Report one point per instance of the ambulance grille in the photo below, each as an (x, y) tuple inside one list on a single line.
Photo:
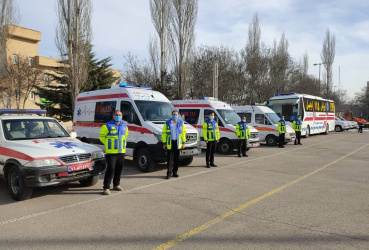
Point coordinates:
[(254, 135), (75, 158), (191, 138)]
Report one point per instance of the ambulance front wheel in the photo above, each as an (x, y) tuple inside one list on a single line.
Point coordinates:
[(186, 161), (89, 181), (16, 186), (271, 140), (144, 160), (225, 146)]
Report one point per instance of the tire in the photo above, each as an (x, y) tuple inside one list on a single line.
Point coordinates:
[(307, 132), (326, 129), (89, 181), (16, 186), (225, 147), (144, 160), (84, 139), (186, 161), (271, 140), (338, 128)]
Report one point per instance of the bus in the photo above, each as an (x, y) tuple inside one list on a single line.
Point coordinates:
[(317, 114)]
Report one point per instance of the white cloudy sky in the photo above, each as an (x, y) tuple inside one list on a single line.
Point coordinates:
[(122, 26)]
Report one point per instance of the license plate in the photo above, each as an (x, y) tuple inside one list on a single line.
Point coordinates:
[(292, 139), (79, 167), (255, 145)]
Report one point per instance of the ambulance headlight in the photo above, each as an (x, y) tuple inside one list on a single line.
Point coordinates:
[(43, 163), (97, 155), (158, 136)]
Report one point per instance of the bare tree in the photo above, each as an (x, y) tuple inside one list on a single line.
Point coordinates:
[(73, 39), (137, 71), (160, 18), (20, 81), (305, 63), (183, 16), (327, 56)]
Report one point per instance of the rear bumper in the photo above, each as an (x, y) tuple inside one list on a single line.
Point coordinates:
[(48, 176)]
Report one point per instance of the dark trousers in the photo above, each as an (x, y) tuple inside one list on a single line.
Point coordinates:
[(210, 149), (242, 146), (298, 137), (360, 129), (281, 139), (113, 170), (173, 159)]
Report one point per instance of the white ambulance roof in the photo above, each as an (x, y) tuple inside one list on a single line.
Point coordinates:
[(251, 108), (201, 104), (134, 93), (296, 95)]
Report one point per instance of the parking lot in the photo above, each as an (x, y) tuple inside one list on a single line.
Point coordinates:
[(310, 196)]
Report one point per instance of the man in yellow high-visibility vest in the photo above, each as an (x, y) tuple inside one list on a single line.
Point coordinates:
[(243, 133), (210, 132), (114, 136), (281, 131), (297, 126)]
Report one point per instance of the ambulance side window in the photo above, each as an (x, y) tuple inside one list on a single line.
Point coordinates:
[(247, 115), (260, 119), (104, 111), (207, 114), (129, 113), (190, 115)]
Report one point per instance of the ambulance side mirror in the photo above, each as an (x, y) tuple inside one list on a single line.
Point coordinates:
[(73, 134)]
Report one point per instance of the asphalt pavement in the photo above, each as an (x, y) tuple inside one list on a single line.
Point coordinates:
[(310, 196)]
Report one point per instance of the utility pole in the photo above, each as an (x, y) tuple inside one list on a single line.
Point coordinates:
[(215, 80)]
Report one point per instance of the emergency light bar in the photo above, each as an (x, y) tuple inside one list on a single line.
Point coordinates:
[(126, 85), (145, 87), (208, 98), (23, 111)]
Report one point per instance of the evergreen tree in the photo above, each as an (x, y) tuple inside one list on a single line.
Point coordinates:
[(56, 98)]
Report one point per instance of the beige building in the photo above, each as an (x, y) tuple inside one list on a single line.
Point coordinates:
[(22, 45)]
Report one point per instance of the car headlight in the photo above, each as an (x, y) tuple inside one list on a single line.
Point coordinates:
[(97, 155), (158, 136), (43, 163)]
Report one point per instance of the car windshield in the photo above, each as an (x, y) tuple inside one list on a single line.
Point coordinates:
[(273, 117), (28, 129), (155, 111), (229, 116)]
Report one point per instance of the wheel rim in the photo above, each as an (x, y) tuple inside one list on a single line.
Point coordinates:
[(143, 161), (224, 147), (14, 183), (270, 141)]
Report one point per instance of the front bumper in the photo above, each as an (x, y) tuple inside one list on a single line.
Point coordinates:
[(48, 176), (159, 154)]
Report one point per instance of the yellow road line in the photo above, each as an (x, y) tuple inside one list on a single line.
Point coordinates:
[(249, 203)]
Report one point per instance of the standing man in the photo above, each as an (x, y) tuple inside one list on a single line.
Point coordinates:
[(243, 133), (174, 136), (296, 125), (361, 125), (210, 132), (281, 131), (114, 136)]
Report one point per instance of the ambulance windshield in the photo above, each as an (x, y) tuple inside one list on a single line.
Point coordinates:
[(155, 111), (229, 116), (273, 117)]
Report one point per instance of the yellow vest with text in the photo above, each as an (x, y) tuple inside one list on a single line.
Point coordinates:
[(242, 130), (210, 130), (167, 134), (296, 125), (281, 127), (114, 137)]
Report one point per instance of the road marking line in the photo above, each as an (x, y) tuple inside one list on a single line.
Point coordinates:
[(2, 223), (249, 203)]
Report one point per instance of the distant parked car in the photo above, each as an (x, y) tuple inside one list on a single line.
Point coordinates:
[(340, 125), (352, 124)]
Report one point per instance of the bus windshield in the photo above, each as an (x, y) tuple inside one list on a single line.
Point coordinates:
[(273, 117), (155, 111), (229, 116)]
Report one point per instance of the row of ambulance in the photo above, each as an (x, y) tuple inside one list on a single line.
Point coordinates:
[(145, 111)]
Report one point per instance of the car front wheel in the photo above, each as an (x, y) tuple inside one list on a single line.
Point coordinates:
[(16, 186)]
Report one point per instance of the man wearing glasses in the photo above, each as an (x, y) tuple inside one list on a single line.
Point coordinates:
[(114, 136)]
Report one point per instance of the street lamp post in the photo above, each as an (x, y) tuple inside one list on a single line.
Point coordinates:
[(315, 64)]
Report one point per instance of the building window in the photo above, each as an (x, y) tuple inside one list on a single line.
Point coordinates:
[(46, 79), (15, 59), (32, 96), (31, 61)]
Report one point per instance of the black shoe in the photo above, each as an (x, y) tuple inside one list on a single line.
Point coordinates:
[(300, 143), (207, 165), (239, 155), (175, 175), (281, 146), (245, 155), (168, 176), (213, 165)]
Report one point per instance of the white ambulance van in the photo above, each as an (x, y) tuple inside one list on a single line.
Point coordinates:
[(144, 112), (196, 112), (37, 151), (265, 121)]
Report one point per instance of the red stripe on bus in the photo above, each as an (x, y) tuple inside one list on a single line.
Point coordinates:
[(192, 105), (318, 118), (15, 154), (100, 97), (98, 125)]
